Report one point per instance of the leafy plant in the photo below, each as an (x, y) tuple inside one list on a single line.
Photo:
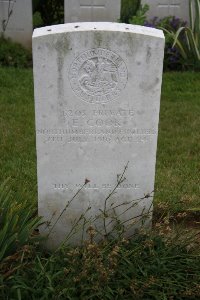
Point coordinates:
[(172, 59), (170, 23), (51, 11), (140, 17), (129, 8), (158, 266), (17, 222), (187, 38), (13, 54)]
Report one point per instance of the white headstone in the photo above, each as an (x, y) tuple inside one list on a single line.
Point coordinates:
[(20, 26), (97, 98), (164, 8), (92, 10)]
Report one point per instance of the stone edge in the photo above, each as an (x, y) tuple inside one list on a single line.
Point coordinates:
[(97, 26)]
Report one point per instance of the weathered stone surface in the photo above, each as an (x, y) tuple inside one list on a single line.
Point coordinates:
[(19, 27), (92, 10), (164, 8), (97, 98)]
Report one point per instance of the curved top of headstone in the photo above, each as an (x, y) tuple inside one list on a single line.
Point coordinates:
[(97, 26)]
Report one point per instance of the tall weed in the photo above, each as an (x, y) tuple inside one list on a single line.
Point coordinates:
[(17, 222)]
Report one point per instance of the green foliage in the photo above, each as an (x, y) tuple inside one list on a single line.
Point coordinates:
[(172, 58), (51, 11), (17, 150), (16, 222), (128, 9), (37, 20), (155, 266), (187, 39), (140, 17), (177, 172), (13, 54)]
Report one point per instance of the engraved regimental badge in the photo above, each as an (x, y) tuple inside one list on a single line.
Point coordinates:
[(98, 75)]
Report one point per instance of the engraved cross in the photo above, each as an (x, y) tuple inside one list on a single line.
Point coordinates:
[(170, 7)]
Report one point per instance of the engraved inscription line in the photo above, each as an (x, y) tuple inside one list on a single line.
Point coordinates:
[(94, 186), (97, 135)]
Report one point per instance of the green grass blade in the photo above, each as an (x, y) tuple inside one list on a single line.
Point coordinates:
[(197, 17)]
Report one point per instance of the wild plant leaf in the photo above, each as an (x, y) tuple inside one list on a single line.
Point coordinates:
[(3, 233), (194, 209), (16, 222), (10, 244), (192, 43), (2, 251), (197, 17), (187, 39)]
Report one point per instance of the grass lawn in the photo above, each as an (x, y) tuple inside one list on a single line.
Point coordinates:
[(178, 158), (17, 151), (161, 265)]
